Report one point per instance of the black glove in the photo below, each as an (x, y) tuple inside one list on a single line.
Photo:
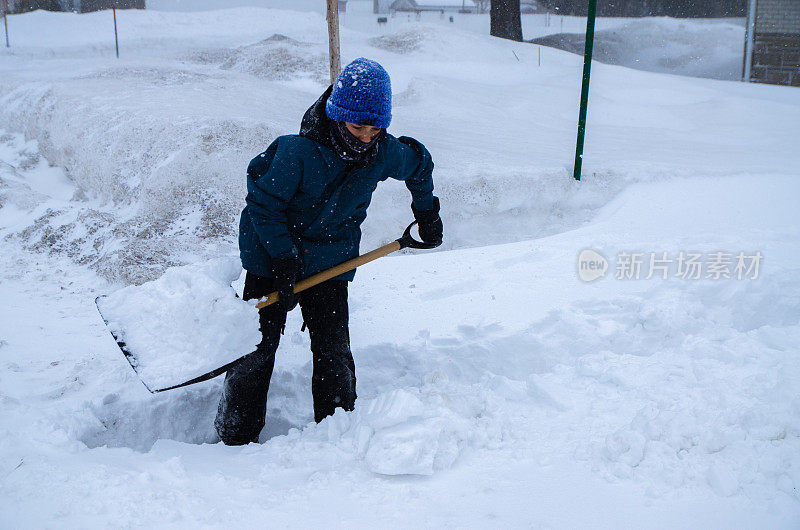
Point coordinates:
[(430, 224), (286, 271)]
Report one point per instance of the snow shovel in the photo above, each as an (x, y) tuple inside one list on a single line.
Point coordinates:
[(151, 363)]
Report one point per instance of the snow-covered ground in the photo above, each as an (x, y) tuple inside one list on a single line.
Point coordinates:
[(495, 387)]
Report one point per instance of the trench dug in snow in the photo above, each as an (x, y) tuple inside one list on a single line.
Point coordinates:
[(185, 416), (417, 408), (588, 377)]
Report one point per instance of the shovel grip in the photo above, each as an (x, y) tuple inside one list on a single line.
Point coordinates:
[(333, 272)]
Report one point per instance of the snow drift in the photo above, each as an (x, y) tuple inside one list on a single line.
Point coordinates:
[(711, 49)]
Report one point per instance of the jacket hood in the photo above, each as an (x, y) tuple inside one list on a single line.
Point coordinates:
[(316, 125)]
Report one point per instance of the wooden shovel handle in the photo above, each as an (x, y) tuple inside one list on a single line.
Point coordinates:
[(333, 272)]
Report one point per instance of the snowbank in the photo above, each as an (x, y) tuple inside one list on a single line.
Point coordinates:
[(671, 46), (157, 142)]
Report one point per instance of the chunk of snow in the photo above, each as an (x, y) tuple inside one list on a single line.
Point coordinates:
[(186, 323)]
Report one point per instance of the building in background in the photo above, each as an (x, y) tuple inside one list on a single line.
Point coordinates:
[(531, 6), (772, 42), (381, 6), (464, 6), (442, 6), (77, 6), (651, 8)]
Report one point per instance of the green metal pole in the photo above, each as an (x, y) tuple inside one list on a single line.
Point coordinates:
[(116, 39), (587, 67)]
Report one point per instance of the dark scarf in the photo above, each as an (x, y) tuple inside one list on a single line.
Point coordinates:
[(350, 148), (332, 134)]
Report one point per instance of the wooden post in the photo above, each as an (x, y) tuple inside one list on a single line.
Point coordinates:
[(333, 38), (5, 20)]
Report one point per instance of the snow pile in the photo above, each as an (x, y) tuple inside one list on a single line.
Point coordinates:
[(399, 434), (150, 201), (184, 324), (406, 42), (281, 58), (674, 46)]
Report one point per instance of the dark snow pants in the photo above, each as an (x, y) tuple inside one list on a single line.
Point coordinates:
[(243, 405)]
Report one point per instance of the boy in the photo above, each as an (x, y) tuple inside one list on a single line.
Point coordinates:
[(307, 196)]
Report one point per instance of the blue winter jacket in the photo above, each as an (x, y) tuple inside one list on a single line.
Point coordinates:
[(302, 198)]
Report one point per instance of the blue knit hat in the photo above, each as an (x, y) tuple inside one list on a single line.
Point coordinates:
[(361, 94)]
